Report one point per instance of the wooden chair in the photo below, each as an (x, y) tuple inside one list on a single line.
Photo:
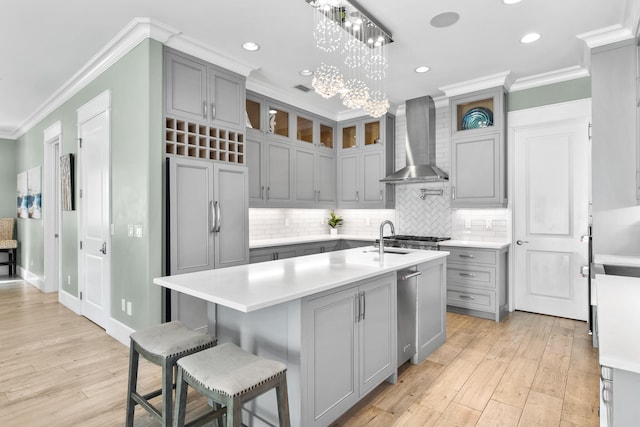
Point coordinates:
[(8, 243), (229, 376)]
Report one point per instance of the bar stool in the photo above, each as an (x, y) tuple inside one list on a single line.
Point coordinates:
[(162, 345), (229, 376)]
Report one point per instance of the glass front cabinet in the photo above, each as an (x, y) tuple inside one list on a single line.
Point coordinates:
[(478, 164)]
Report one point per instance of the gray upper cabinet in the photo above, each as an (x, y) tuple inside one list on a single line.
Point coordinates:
[(226, 98), (185, 87), (196, 90), (290, 154), (615, 169), (365, 156), (478, 164)]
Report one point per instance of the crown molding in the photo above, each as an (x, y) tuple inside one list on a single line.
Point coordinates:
[(605, 36), (128, 38), (501, 79), (550, 77)]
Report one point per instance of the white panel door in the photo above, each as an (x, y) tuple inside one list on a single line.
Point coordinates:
[(95, 253), (551, 214)]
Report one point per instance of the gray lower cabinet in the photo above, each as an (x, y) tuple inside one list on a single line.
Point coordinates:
[(208, 225), (350, 340), (619, 391), (477, 282), (289, 251)]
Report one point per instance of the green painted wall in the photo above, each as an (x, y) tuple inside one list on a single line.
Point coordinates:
[(550, 94), (8, 178), (135, 82)]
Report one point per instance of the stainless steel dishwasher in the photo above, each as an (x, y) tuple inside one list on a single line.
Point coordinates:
[(407, 309)]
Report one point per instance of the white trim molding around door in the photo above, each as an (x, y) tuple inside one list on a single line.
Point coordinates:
[(52, 137)]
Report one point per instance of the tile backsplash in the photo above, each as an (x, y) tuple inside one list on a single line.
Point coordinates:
[(428, 216)]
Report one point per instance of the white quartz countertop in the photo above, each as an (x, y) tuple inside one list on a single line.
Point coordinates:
[(618, 320), (251, 287), (265, 243), (473, 244), (621, 260)]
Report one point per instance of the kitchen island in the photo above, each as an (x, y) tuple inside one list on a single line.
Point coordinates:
[(331, 317)]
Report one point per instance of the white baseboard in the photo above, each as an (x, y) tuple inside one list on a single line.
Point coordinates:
[(119, 331), (31, 278), (72, 302)]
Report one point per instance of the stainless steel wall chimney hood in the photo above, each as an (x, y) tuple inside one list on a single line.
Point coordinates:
[(421, 145)]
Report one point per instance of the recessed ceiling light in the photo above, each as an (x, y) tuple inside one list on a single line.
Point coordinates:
[(445, 19), (305, 72), (250, 46), (422, 69), (511, 1), (530, 38)]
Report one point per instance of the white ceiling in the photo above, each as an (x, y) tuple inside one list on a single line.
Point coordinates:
[(44, 43)]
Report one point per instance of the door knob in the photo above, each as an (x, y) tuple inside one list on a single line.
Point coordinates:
[(520, 242), (103, 249)]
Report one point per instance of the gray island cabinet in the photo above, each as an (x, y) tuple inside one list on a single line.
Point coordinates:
[(331, 317)]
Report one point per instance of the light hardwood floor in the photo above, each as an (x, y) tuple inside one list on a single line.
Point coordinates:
[(59, 369)]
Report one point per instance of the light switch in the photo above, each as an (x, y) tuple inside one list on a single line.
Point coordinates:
[(138, 230), (130, 230), (489, 224)]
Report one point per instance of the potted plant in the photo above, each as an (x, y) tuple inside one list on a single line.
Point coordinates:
[(334, 221)]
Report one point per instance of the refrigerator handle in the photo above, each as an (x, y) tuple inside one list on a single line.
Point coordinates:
[(218, 222)]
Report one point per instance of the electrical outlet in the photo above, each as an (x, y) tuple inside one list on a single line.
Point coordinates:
[(130, 230), (489, 224), (69, 280), (138, 230), (123, 304), (467, 223), (286, 221), (128, 308)]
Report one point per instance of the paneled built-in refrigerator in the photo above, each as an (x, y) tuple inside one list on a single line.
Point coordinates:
[(208, 227)]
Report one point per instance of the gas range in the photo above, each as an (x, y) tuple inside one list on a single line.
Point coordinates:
[(412, 242)]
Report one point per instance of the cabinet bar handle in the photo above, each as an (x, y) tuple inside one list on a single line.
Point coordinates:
[(466, 256), (453, 192), (357, 196), (364, 305), (380, 194), (467, 274), (219, 215), (356, 302), (213, 111), (262, 192), (205, 113), (467, 297), (410, 275), (268, 189), (211, 219)]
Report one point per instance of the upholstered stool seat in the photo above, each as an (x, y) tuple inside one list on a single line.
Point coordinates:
[(162, 345), (229, 376)]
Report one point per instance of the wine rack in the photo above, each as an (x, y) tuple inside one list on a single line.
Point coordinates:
[(196, 140)]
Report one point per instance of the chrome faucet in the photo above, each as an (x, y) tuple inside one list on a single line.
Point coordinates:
[(393, 233)]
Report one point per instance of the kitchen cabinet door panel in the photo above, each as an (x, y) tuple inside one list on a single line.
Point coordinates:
[(231, 201), (326, 178), (373, 170), (227, 99), (255, 170), (477, 171), (279, 177), (185, 87), (377, 336), (305, 173), (348, 178), (332, 352)]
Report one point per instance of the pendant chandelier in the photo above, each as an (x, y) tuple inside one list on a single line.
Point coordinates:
[(352, 49)]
